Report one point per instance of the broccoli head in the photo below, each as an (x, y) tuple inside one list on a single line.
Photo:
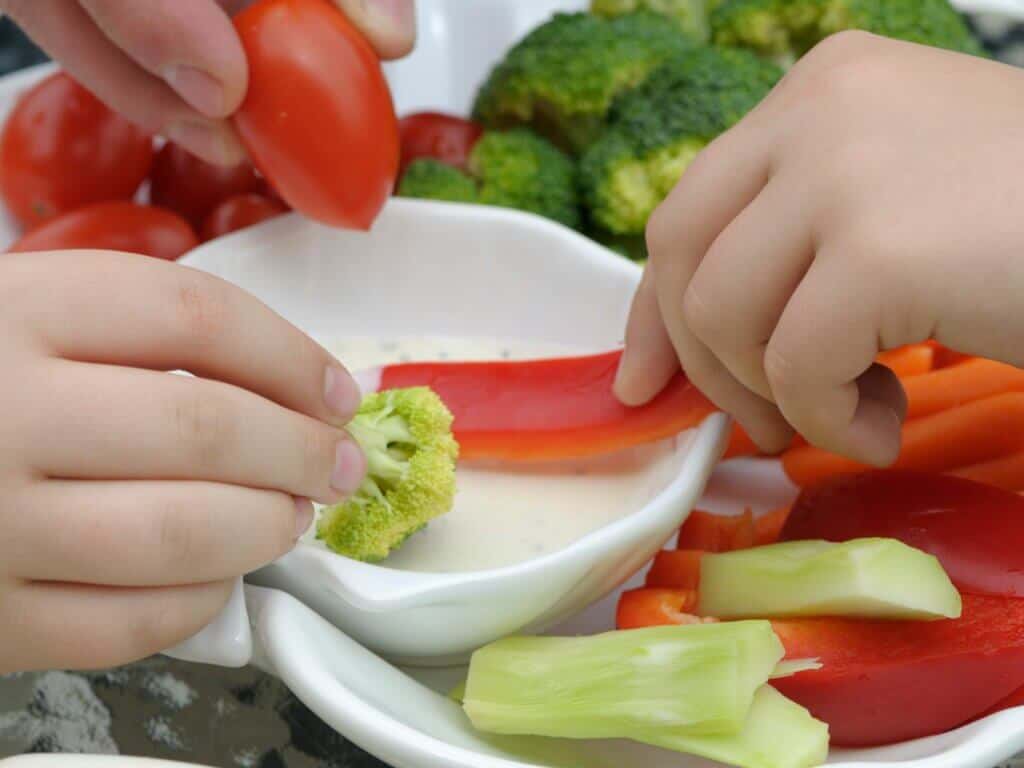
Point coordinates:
[(406, 436), (562, 77), (430, 178), (784, 30), (509, 169), (658, 128), (690, 15)]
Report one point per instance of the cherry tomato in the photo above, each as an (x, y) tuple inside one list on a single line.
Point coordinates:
[(61, 148), (192, 188), (317, 119), (443, 137), (240, 212), (115, 226)]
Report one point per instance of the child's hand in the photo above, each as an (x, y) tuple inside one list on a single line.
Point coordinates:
[(875, 198), (177, 67), (130, 498)]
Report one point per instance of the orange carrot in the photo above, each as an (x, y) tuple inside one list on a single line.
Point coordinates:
[(740, 444), (911, 360), (946, 357), (675, 569), (768, 527), (974, 433), (1006, 472), (966, 382)]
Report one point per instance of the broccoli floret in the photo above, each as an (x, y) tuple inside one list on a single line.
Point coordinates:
[(563, 76), (406, 436), (432, 179), (690, 15), (784, 30), (509, 169), (658, 128)]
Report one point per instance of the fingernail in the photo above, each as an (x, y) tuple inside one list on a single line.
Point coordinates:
[(349, 468), (211, 142), (341, 393), (303, 516), (199, 89)]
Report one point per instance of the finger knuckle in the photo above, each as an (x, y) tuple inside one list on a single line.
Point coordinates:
[(206, 427), (780, 369), (200, 310), (177, 542), (699, 316), (317, 448)]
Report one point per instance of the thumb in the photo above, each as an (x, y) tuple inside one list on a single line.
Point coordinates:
[(389, 25)]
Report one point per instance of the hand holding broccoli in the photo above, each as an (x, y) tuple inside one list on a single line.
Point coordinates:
[(132, 497), (871, 200)]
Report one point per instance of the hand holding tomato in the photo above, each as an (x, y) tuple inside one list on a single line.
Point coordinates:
[(177, 67)]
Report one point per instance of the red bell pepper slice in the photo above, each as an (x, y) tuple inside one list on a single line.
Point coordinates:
[(976, 531), (883, 681), (559, 408), (709, 532), (675, 569)]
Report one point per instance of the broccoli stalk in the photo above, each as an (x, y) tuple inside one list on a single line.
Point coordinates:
[(406, 436)]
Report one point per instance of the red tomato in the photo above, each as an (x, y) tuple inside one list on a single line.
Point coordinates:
[(192, 188), (976, 531), (240, 212), (318, 119), (443, 137), (116, 226), (61, 148)]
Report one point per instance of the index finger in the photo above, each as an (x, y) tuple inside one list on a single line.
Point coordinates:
[(134, 311)]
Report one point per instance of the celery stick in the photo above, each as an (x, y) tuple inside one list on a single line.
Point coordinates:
[(864, 578), (778, 734), (700, 677)]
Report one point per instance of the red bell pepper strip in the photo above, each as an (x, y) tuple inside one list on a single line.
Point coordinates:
[(908, 361), (883, 681), (639, 608), (768, 527), (976, 531), (717, 533), (1006, 472), (559, 408), (675, 569)]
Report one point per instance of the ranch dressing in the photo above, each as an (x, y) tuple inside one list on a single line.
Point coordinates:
[(508, 514)]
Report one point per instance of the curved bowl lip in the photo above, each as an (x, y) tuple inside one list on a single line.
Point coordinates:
[(377, 588), (980, 744), (403, 589)]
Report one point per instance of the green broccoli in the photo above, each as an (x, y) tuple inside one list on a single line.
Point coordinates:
[(690, 15), (406, 436), (508, 169), (658, 128), (784, 30), (430, 178), (563, 76)]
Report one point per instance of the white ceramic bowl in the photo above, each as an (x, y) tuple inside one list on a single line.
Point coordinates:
[(450, 270)]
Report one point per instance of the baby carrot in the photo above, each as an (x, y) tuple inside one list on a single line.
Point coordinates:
[(966, 382), (1006, 472), (974, 433), (911, 360)]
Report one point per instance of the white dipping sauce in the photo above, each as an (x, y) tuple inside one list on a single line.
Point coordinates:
[(505, 515)]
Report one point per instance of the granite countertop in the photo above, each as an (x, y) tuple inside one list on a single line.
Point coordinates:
[(188, 712)]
